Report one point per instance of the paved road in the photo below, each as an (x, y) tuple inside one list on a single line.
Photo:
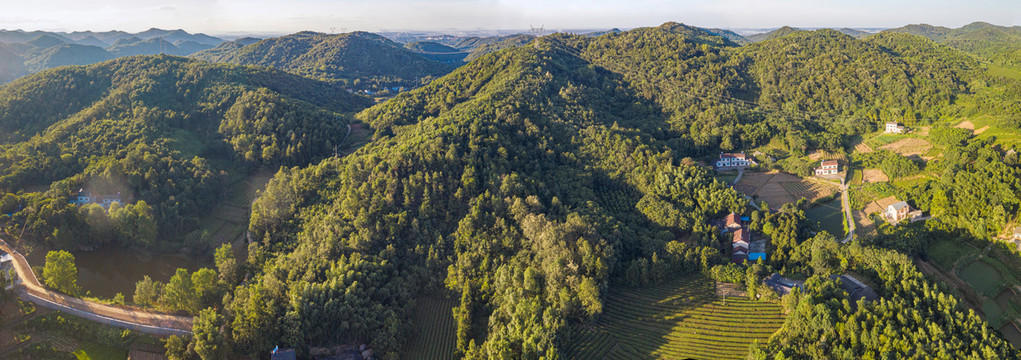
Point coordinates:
[(150, 322)]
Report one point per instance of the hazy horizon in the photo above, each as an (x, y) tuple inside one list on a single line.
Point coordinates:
[(233, 17)]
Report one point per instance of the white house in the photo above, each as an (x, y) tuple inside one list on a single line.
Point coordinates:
[(895, 128), (734, 160), (829, 167), (897, 211)]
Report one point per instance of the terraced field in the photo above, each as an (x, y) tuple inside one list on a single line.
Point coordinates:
[(679, 320), (435, 330)]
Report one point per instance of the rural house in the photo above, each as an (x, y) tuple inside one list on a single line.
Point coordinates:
[(741, 245), (901, 210), (83, 197), (731, 223), (828, 167), (895, 128), (734, 161), (782, 285), (7, 267)]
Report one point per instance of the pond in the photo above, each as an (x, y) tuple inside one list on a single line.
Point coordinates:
[(828, 216), (107, 271)]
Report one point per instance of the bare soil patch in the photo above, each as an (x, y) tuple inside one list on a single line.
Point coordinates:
[(922, 131), (982, 130), (909, 146), (874, 175), (965, 125), (863, 148), (880, 205)]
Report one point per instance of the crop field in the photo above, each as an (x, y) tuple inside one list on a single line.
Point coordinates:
[(909, 146), (874, 175), (435, 330), (982, 276), (679, 320), (779, 188)]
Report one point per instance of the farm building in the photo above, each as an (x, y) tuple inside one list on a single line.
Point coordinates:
[(782, 285), (1017, 233), (83, 197), (828, 167), (899, 211), (856, 290), (895, 128), (731, 223), (741, 245), (734, 161)]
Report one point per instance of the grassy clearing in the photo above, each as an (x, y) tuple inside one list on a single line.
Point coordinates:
[(436, 331), (96, 351), (828, 216), (726, 177), (945, 252), (682, 319), (229, 219)]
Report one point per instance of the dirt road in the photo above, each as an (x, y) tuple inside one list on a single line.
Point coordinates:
[(145, 321)]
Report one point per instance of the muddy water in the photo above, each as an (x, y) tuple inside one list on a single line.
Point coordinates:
[(107, 271)]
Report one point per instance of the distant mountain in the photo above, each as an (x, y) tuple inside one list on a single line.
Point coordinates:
[(91, 40), (994, 42), (146, 47), (19, 36), (179, 35), (784, 31), (108, 37), (429, 47), (126, 41), (45, 41), (854, 32), (359, 59), (12, 66), (601, 33), (66, 54), (483, 46), (730, 35), (188, 47)]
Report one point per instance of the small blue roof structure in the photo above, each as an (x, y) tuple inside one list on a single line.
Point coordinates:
[(756, 256), (282, 354), (746, 219)]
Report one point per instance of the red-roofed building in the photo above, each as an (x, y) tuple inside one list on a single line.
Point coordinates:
[(742, 237), (732, 222)]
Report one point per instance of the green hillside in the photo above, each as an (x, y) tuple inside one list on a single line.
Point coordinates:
[(65, 54), (361, 60), (12, 66), (992, 42), (162, 130), (537, 181)]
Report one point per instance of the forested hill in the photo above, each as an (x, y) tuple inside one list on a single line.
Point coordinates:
[(993, 42), (533, 179), (163, 131), (11, 65), (360, 60)]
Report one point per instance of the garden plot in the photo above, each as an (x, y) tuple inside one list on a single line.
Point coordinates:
[(874, 175), (778, 188), (909, 146)]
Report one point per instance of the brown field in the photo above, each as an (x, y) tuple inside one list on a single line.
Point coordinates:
[(864, 227), (982, 130), (874, 175), (909, 146), (863, 148), (922, 131), (965, 125), (880, 205), (778, 188)]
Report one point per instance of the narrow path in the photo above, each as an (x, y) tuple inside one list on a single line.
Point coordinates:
[(740, 173), (29, 288), (845, 202)]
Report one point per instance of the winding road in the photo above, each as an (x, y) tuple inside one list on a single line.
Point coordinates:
[(29, 289)]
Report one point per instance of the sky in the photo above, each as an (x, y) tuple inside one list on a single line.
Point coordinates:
[(281, 17)]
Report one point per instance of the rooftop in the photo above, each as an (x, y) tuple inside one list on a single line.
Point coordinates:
[(899, 205), (830, 163)]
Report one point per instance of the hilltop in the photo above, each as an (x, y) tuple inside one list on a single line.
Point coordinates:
[(993, 42), (361, 60)]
